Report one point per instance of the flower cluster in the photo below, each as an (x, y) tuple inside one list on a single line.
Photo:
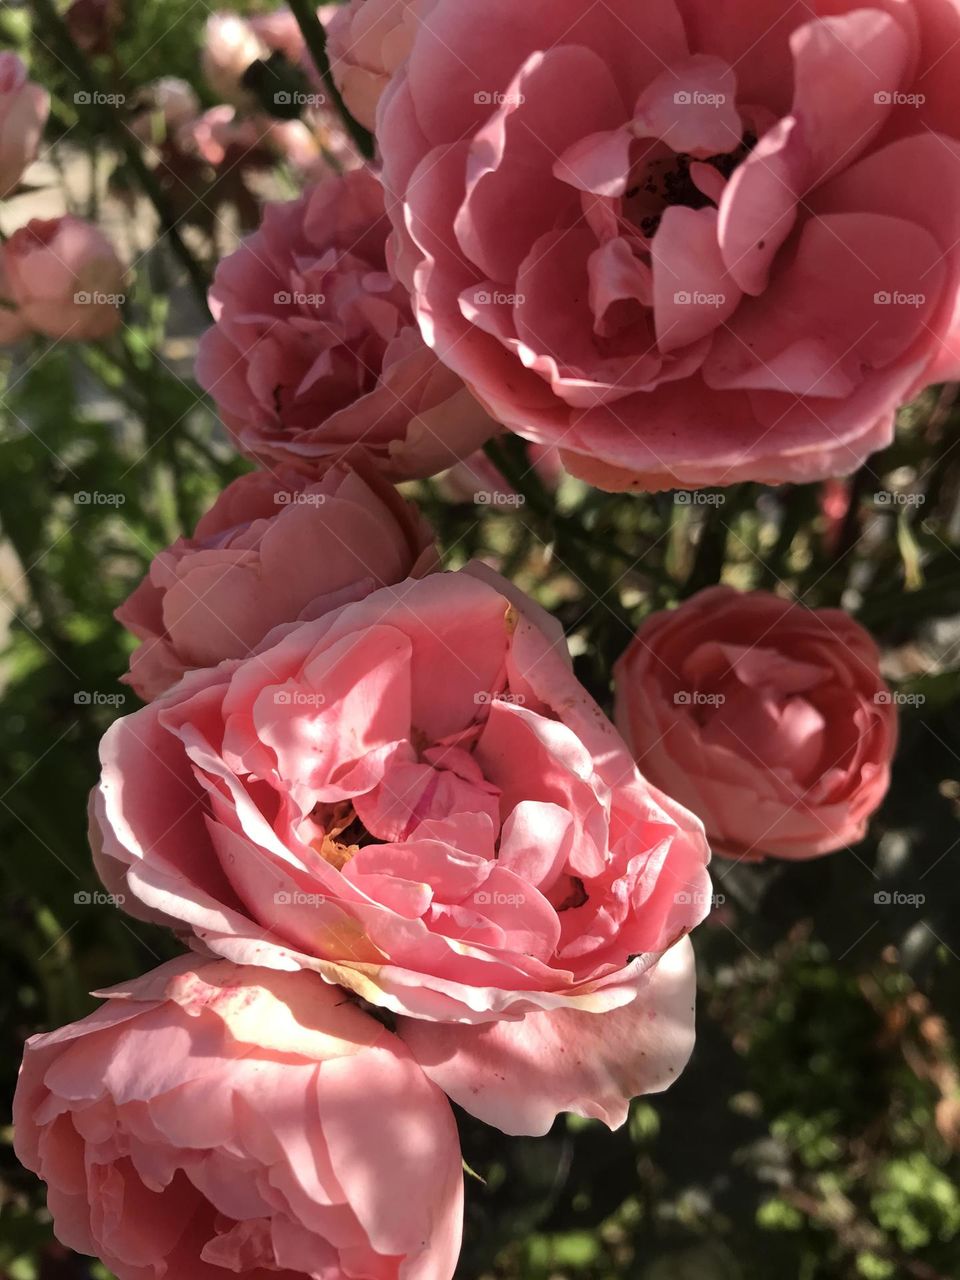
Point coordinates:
[(412, 857)]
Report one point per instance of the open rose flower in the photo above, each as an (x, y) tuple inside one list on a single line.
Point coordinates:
[(414, 797), (689, 242), (315, 349), (273, 548), (64, 277), (24, 107), (213, 1120), (368, 40), (770, 721)]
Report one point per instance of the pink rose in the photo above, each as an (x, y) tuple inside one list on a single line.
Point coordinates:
[(770, 721), (210, 1119), (414, 797), (65, 277), (315, 349), (24, 107), (367, 42), (689, 242), (274, 548)]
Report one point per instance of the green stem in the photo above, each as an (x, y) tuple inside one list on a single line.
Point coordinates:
[(316, 40), (53, 26)]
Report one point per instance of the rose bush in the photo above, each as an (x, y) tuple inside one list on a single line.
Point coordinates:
[(729, 255), (769, 721), (210, 1119), (414, 797), (274, 548), (315, 350)]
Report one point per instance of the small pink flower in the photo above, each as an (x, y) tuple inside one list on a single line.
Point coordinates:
[(24, 108), (65, 278), (315, 350), (687, 242), (769, 721), (212, 1119), (414, 797), (368, 40), (273, 549)]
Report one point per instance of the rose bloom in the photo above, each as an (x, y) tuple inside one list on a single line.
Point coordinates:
[(24, 107), (315, 350), (210, 1119), (64, 276), (414, 797), (367, 40), (274, 548), (770, 721), (689, 242)]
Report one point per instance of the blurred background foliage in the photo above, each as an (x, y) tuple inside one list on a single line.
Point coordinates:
[(816, 1132)]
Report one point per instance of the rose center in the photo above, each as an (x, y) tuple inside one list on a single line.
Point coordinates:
[(658, 182)]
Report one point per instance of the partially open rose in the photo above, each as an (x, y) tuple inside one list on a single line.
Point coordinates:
[(769, 720), (688, 242), (414, 797), (214, 1120), (274, 548), (315, 350)]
